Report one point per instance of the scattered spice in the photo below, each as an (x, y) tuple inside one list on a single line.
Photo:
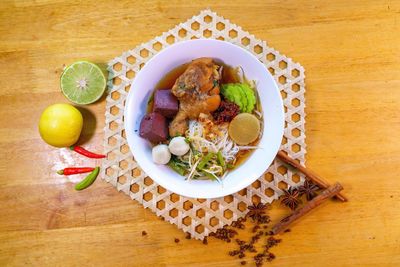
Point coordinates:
[(239, 223), (255, 238), (205, 241), (270, 256), (309, 189), (256, 210), (257, 213), (287, 231), (144, 233), (291, 198), (233, 252), (271, 242), (176, 240), (240, 242), (225, 234), (258, 259)]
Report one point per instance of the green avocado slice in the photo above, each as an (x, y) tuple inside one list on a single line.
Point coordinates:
[(240, 94), (243, 97), (250, 96), (233, 94)]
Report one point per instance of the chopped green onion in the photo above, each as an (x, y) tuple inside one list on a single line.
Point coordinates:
[(173, 165), (205, 160), (220, 159)]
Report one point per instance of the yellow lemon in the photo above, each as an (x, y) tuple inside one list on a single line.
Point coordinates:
[(60, 125)]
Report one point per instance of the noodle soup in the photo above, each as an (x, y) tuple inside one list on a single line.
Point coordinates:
[(203, 119)]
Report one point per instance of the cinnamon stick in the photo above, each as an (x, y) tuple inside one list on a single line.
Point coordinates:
[(308, 173), (315, 202)]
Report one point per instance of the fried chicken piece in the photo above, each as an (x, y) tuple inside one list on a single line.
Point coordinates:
[(197, 90)]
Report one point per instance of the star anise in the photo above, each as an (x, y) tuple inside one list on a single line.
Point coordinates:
[(309, 189), (291, 198), (256, 211)]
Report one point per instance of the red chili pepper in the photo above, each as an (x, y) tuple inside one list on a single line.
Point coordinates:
[(75, 170), (84, 152)]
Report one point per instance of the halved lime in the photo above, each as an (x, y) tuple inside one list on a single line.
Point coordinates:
[(83, 82)]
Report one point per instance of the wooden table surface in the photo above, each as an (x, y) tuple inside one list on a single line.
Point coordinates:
[(351, 53)]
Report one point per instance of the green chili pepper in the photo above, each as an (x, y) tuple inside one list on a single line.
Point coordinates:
[(173, 165), (88, 180), (220, 159), (205, 160)]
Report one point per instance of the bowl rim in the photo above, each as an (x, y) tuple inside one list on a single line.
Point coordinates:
[(200, 194)]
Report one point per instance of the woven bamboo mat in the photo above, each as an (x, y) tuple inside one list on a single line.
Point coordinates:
[(200, 217)]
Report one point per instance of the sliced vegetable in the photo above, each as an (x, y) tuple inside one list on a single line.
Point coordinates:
[(86, 153), (174, 165), (240, 94), (74, 170), (250, 96), (205, 160), (88, 180), (244, 128), (220, 159)]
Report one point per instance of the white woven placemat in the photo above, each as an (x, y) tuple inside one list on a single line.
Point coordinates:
[(200, 217)]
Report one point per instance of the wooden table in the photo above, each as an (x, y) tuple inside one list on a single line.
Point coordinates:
[(351, 53)]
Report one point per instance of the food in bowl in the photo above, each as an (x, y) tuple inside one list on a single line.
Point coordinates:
[(203, 119)]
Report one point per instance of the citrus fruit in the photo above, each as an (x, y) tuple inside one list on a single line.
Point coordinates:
[(244, 128), (60, 125), (83, 82)]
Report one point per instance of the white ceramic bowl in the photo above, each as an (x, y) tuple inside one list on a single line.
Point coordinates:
[(271, 102)]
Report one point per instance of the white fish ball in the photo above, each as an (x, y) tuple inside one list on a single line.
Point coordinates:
[(178, 146), (161, 154)]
